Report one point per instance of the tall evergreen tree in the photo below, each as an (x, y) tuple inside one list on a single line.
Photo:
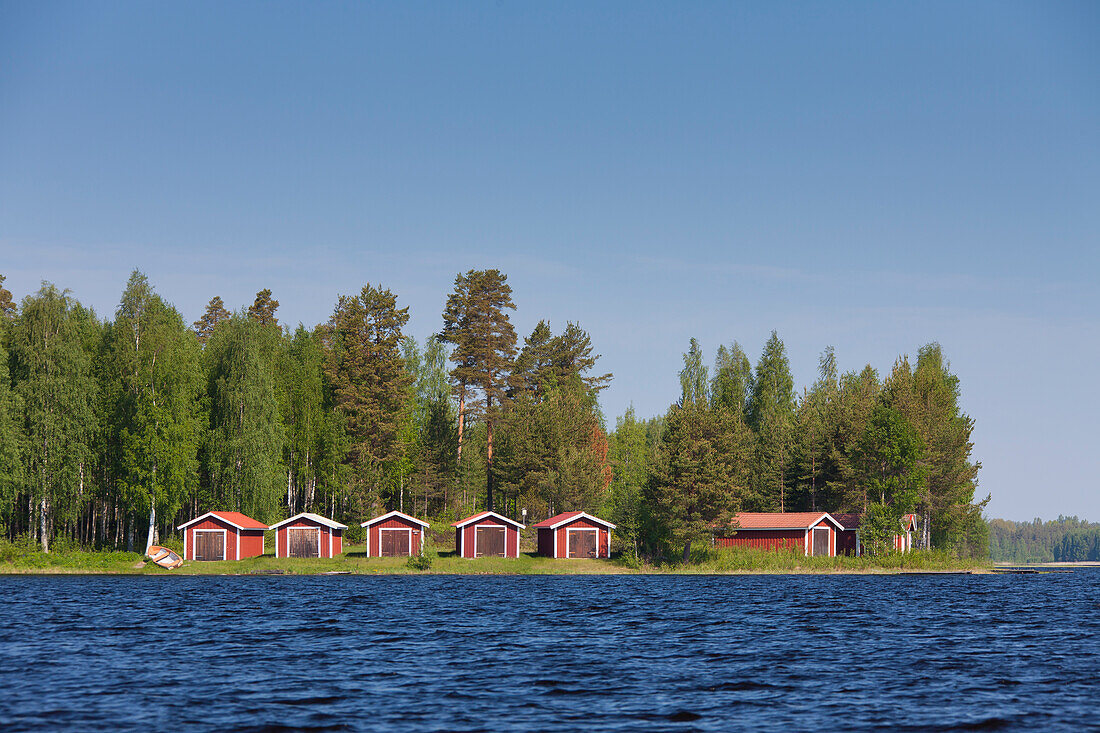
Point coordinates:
[(365, 367), (215, 314), (476, 323), (701, 475), (694, 387), (811, 446), (7, 307), (771, 416), (263, 308)]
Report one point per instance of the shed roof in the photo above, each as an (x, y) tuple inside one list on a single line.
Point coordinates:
[(238, 520), (314, 517), (390, 515), (848, 520), (909, 522), (565, 517), (487, 515), (783, 520)]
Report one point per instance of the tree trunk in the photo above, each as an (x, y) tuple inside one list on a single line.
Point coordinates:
[(461, 419), (152, 523), (43, 527), (687, 551), (488, 455)]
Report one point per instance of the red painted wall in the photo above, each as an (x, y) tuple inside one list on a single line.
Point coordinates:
[(765, 539), (846, 542), (545, 542), (374, 536), (252, 543)]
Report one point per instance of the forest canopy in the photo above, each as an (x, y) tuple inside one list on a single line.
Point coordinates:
[(115, 430)]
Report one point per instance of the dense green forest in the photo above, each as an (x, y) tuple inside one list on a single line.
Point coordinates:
[(113, 431), (1066, 539)]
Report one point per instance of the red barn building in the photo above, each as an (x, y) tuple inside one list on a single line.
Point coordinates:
[(574, 534), (308, 535), (487, 534), (395, 535), (222, 536), (812, 533)]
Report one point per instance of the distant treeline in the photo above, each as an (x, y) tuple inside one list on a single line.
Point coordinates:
[(113, 431), (1065, 539)]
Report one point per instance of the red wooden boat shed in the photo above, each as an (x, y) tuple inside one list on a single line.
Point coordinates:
[(487, 534), (574, 534), (308, 535), (813, 533), (395, 535), (222, 536)]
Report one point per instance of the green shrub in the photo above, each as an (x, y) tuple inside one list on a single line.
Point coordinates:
[(420, 562)]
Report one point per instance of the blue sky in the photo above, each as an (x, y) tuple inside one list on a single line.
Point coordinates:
[(867, 176)]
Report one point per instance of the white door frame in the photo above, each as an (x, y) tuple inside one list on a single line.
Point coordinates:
[(194, 542), (395, 529)]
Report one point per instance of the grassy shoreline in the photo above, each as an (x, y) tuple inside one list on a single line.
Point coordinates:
[(354, 561)]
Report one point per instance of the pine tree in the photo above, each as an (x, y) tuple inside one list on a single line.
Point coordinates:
[(701, 476), (263, 308), (215, 314), (476, 323), (7, 307), (365, 369), (553, 450), (547, 360)]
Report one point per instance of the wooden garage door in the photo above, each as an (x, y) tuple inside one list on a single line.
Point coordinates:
[(395, 542), (821, 543), (303, 542), (490, 542), (582, 543), (209, 545)]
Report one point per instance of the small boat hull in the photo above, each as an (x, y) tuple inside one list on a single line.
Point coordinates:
[(164, 557)]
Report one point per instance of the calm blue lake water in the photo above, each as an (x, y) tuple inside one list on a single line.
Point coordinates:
[(551, 653)]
